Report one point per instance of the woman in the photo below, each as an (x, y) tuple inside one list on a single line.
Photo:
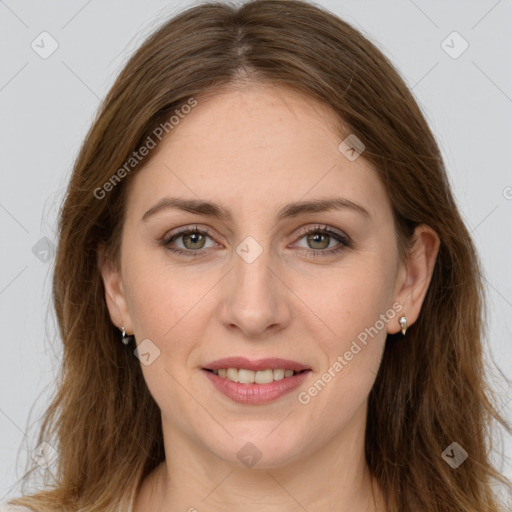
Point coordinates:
[(261, 269)]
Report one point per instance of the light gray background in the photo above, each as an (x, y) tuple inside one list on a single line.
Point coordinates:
[(47, 106)]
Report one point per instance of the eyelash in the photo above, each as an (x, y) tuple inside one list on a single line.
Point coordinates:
[(313, 253)]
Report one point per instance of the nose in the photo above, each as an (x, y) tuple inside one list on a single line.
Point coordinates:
[(254, 298)]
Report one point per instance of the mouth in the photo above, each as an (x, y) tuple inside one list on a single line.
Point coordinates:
[(245, 376), (255, 382)]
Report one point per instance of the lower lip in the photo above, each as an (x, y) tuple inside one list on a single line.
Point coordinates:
[(256, 393)]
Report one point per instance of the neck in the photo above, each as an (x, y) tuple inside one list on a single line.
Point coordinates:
[(333, 477)]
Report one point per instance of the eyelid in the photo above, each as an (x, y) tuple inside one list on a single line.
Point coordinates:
[(302, 231), (195, 228), (323, 228)]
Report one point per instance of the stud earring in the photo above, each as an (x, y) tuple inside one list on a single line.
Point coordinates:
[(403, 324), (124, 338)]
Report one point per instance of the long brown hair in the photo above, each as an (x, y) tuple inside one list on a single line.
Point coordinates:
[(430, 390)]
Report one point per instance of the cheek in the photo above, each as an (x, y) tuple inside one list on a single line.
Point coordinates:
[(354, 308), (161, 296), (168, 307), (351, 302)]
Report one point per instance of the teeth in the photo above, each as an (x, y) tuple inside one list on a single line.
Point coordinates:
[(278, 374), (264, 377), (232, 374), (246, 376), (250, 377)]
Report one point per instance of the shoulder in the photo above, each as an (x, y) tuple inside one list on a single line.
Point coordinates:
[(12, 508)]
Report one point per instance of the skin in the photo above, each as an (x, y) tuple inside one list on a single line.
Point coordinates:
[(254, 149)]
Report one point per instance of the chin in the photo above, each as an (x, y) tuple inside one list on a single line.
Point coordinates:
[(256, 450)]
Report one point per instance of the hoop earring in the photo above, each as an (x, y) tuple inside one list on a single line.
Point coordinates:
[(403, 324), (124, 338)]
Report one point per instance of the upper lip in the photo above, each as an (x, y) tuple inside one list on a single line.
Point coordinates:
[(271, 363)]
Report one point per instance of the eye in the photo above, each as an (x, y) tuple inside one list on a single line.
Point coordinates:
[(323, 241), (192, 240), (320, 241)]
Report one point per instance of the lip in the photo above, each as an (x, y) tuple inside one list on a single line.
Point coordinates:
[(254, 394), (272, 363)]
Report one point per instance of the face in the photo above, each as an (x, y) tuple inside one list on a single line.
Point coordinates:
[(254, 273)]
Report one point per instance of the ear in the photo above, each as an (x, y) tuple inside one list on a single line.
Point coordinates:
[(114, 291), (415, 274)]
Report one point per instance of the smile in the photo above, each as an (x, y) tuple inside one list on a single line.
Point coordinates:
[(255, 382), (253, 377)]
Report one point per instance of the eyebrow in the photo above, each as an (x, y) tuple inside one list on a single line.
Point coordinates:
[(213, 209)]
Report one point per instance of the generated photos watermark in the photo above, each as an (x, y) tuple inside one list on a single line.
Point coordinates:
[(150, 143), (343, 360)]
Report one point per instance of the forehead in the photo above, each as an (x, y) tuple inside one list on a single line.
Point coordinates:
[(256, 147)]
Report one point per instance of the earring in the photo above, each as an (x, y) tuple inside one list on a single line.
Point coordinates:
[(403, 324), (125, 339)]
